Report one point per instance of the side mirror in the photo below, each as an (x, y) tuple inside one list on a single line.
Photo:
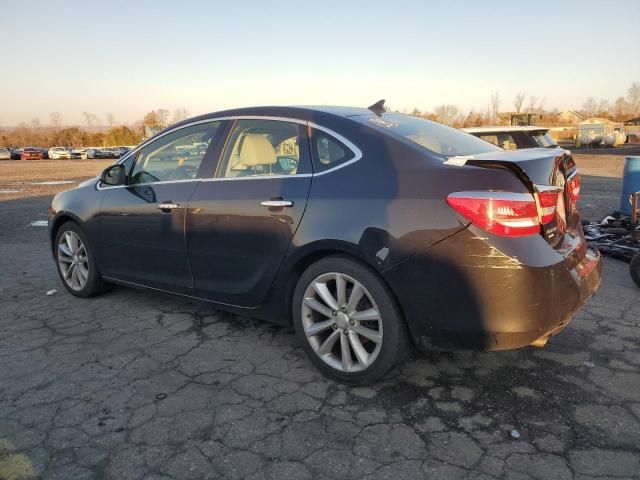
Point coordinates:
[(113, 175)]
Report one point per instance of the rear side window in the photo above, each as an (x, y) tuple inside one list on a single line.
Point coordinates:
[(328, 152)]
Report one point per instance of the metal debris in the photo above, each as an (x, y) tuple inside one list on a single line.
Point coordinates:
[(51, 292), (39, 223), (589, 364), (515, 433), (161, 396)]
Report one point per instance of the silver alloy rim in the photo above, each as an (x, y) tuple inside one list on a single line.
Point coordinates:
[(73, 261), (342, 322)]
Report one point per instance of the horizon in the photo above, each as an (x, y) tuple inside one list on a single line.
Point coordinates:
[(132, 59)]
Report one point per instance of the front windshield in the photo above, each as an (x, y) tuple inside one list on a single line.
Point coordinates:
[(436, 137)]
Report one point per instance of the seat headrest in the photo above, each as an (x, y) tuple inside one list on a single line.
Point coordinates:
[(257, 150)]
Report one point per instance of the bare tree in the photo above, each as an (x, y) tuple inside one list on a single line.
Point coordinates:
[(88, 118), (603, 108), (179, 114), (494, 102), (590, 107), (633, 97), (162, 115), (518, 102), (620, 108), (56, 120), (448, 114), (111, 119), (533, 101), (35, 124)]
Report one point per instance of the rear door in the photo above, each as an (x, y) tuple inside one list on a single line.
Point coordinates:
[(141, 224), (241, 222)]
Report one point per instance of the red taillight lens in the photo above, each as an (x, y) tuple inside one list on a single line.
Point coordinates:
[(573, 188), (502, 213), (548, 203)]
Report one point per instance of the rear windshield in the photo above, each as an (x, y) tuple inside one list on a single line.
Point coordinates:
[(436, 137), (545, 140)]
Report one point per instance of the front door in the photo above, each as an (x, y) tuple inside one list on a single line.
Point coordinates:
[(141, 224), (240, 223)]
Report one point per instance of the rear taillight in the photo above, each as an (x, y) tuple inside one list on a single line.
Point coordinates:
[(548, 201), (573, 188), (502, 213)]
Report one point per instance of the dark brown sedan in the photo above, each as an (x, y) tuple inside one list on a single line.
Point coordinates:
[(369, 231)]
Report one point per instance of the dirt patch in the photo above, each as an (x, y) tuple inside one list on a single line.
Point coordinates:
[(20, 179)]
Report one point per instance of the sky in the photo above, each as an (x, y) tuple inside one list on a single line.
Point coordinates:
[(130, 57)]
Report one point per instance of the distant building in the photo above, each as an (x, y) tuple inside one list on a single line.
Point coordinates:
[(570, 117)]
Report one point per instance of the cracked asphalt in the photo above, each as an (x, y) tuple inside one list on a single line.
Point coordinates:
[(140, 385)]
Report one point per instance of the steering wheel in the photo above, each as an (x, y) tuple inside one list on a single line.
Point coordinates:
[(288, 164)]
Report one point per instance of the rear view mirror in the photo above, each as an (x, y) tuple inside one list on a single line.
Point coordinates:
[(113, 175)]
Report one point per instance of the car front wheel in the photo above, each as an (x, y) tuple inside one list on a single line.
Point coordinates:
[(348, 321), (76, 262)]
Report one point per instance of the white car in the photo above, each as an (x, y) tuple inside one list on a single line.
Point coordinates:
[(82, 153), (57, 153)]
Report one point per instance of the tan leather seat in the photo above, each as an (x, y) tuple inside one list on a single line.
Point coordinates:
[(256, 150)]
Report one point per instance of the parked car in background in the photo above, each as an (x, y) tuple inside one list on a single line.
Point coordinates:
[(31, 153), (81, 153), (16, 153), (59, 153), (369, 231), (5, 153), (513, 137)]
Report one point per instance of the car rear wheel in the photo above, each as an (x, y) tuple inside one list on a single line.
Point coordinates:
[(634, 269), (76, 262), (348, 321)]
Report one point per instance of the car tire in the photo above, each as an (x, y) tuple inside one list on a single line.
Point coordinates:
[(634, 269), (87, 280), (326, 332)]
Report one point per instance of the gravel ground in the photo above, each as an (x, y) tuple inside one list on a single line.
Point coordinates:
[(137, 384)]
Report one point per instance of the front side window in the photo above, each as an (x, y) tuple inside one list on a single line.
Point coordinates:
[(175, 156), (436, 137), (263, 148)]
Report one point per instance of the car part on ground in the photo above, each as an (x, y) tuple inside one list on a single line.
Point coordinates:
[(272, 211), (634, 269), (618, 236)]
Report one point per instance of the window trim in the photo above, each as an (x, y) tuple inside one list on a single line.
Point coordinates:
[(309, 124)]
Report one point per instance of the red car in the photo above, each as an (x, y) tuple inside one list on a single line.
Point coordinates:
[(31, 153)]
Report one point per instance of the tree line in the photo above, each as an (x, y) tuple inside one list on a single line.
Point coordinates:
[(91, 134), (623, 108), (56, 134)]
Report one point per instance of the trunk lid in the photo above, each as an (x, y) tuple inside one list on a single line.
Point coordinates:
[(539, 169)]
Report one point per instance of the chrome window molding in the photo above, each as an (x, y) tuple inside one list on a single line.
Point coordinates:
[(348, 143)]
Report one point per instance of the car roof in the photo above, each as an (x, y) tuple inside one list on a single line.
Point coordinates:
[(305, 113), (505, 128)]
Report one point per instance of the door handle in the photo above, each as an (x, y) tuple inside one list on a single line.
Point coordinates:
[(168, 206), (277, 203)]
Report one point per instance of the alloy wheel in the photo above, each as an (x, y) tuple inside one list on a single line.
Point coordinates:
[(73, 261), (342, 322)]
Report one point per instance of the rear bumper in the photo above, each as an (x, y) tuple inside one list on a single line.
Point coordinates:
[(465, 293)]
